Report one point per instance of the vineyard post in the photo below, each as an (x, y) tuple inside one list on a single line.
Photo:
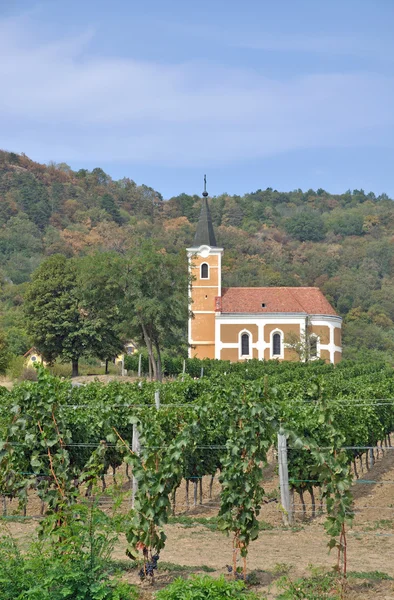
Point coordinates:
[(157, 399), (136, 449), (139, 365), (184, 366), (284, 479), (202, 372)]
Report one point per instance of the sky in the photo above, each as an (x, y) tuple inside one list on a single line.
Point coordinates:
[(284, 94)]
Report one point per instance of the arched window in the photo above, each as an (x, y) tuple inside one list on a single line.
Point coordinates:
[(245, 345), (313, 346), (276, 344), (204, 271)]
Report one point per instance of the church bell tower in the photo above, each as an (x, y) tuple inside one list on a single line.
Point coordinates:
[(205, 266)]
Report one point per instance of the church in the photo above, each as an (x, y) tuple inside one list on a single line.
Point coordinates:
[(243, 323)]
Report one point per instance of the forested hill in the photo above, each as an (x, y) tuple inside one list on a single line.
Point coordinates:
[(342, 243)]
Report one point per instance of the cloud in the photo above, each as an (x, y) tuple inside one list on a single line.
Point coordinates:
[(59, 101)]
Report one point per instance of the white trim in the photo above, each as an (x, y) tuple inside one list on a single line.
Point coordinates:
[(202, 287), (220, 274), (198, 343), (240, 355), (217, 339), (204, 312), (282, 346)]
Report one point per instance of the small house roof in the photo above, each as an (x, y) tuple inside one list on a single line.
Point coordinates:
[(33, 350)]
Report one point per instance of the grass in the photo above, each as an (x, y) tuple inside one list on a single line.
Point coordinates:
[(208, 522), (130, 565)]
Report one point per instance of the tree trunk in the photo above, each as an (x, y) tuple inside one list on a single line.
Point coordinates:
[(74, 368), (106, 366), (148, 343), (200, 480), (159, 370)]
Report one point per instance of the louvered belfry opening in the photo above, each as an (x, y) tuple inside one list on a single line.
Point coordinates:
[(245, 344)]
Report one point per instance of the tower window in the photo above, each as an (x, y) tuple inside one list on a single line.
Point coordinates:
[(276, 344), (245, 345), (204, 271), (263, 305)]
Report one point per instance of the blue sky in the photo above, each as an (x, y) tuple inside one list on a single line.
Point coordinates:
[(261, 93)]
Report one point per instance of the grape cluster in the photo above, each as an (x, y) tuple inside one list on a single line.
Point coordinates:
[(150, 566), (238, 575)]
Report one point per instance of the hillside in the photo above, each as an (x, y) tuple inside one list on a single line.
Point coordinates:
[(341, 243)]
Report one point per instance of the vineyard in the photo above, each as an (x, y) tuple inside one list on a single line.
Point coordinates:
[(134, 458)]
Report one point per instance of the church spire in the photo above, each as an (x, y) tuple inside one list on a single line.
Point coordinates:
[(205, 235)]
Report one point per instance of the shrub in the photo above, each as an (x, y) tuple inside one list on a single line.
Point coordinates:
[(205, 588), (15, 367), (72, 566)]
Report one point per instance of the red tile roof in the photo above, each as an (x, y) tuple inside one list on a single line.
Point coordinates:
[(308, 300)]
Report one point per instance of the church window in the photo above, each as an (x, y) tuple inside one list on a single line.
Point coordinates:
[(204, 271), (276, 344), (245, 345), (313, 346)]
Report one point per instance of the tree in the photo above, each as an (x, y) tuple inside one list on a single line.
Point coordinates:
[(156, 302), (307, 225), (72, 309), (4, 353), (100, 293), (305, 343), (51, 308)]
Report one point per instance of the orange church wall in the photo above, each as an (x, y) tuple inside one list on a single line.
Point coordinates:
[(285, 327), (323, 332), (229, 334), (337, 357), (203, 351), (325, 355), (337, 336), (229, 354), (290, 354), (199, 300), (255, 353), (213, 278), (203, 328)]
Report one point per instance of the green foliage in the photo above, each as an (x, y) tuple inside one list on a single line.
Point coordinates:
[(5, 355), (72, 310), (307, 225), (320, 586), (70, 566), (205, 588), (155, 284), (250, 435), (15, 367)]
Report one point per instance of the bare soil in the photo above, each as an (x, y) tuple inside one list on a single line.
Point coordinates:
[(370, 542)]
